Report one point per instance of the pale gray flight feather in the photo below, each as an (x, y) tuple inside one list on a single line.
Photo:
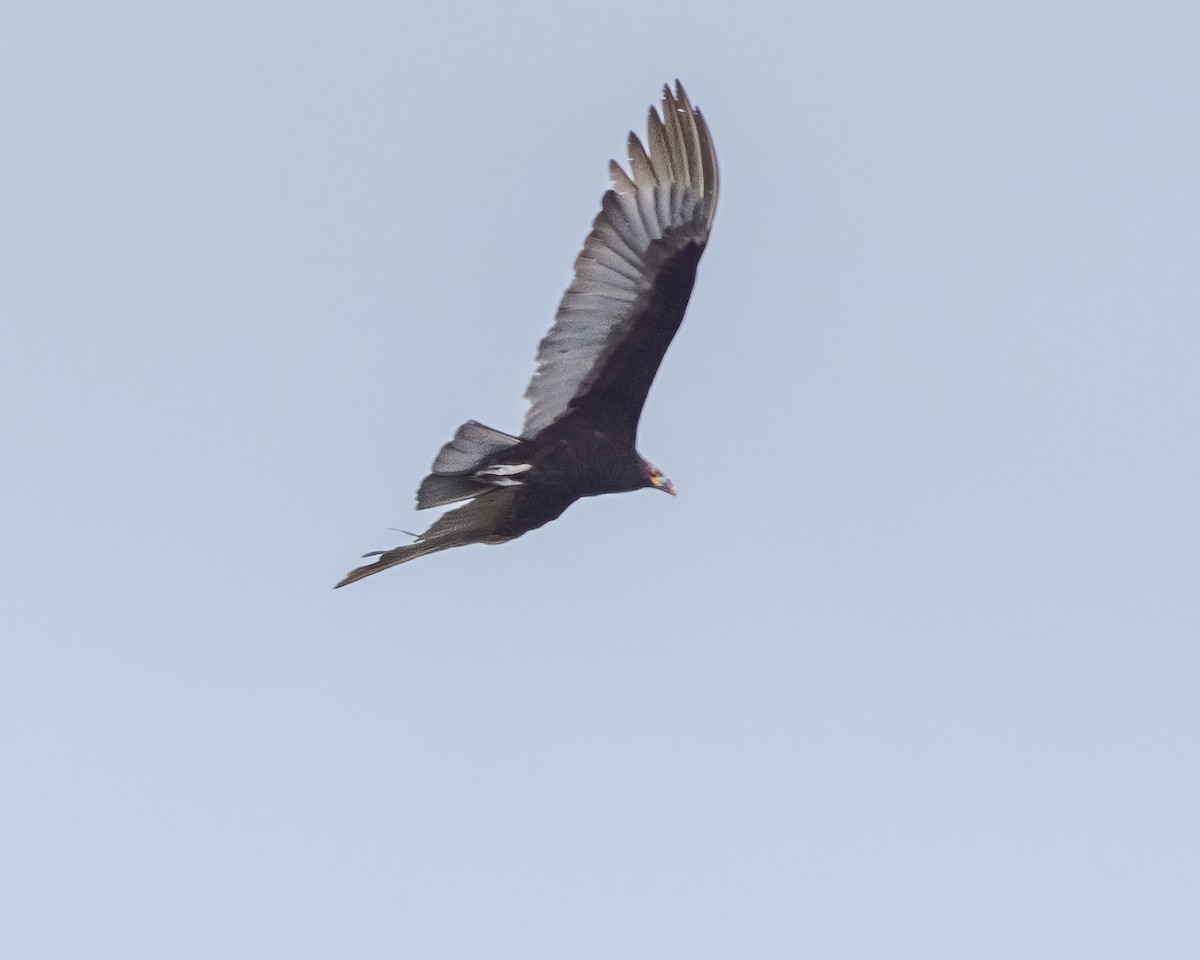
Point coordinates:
[(473, 523), (667, 201)]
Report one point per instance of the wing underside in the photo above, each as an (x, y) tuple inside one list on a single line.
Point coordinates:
[(494, 516), (653, 217)]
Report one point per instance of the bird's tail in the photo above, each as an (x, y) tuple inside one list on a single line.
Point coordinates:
[(450, 480), (472, 444)]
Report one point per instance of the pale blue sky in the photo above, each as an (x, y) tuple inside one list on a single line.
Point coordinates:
[(909, 668)]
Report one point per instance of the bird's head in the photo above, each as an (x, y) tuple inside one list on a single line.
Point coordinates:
[(655, 478)]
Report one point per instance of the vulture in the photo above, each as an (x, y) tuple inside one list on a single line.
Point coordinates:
[(631, 286)]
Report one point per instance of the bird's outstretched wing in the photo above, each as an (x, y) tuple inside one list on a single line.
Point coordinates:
[(492, 517), (632, 279)]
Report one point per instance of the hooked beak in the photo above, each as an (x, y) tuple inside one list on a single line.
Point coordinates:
[(663, 484)]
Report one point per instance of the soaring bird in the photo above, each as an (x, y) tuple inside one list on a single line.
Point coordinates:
[(632, 283)]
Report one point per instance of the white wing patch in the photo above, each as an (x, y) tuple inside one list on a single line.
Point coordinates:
[(668, 202), (501, 474)]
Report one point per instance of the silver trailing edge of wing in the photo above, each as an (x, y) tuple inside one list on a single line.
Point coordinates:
[(475, 523), (667, 200)]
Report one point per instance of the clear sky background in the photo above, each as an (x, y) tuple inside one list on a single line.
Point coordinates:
[(910, 667)]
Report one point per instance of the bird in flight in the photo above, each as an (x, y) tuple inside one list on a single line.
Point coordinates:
[(632, 282)]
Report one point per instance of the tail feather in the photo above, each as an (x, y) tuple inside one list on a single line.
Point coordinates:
[(449, 482), (472, 444)]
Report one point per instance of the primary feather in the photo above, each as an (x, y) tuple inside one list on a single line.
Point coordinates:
[(645, 219)]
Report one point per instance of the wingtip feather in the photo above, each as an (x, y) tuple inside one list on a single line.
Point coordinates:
[(667, 197)]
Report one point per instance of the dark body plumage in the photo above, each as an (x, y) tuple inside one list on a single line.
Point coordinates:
[(632, 283)]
